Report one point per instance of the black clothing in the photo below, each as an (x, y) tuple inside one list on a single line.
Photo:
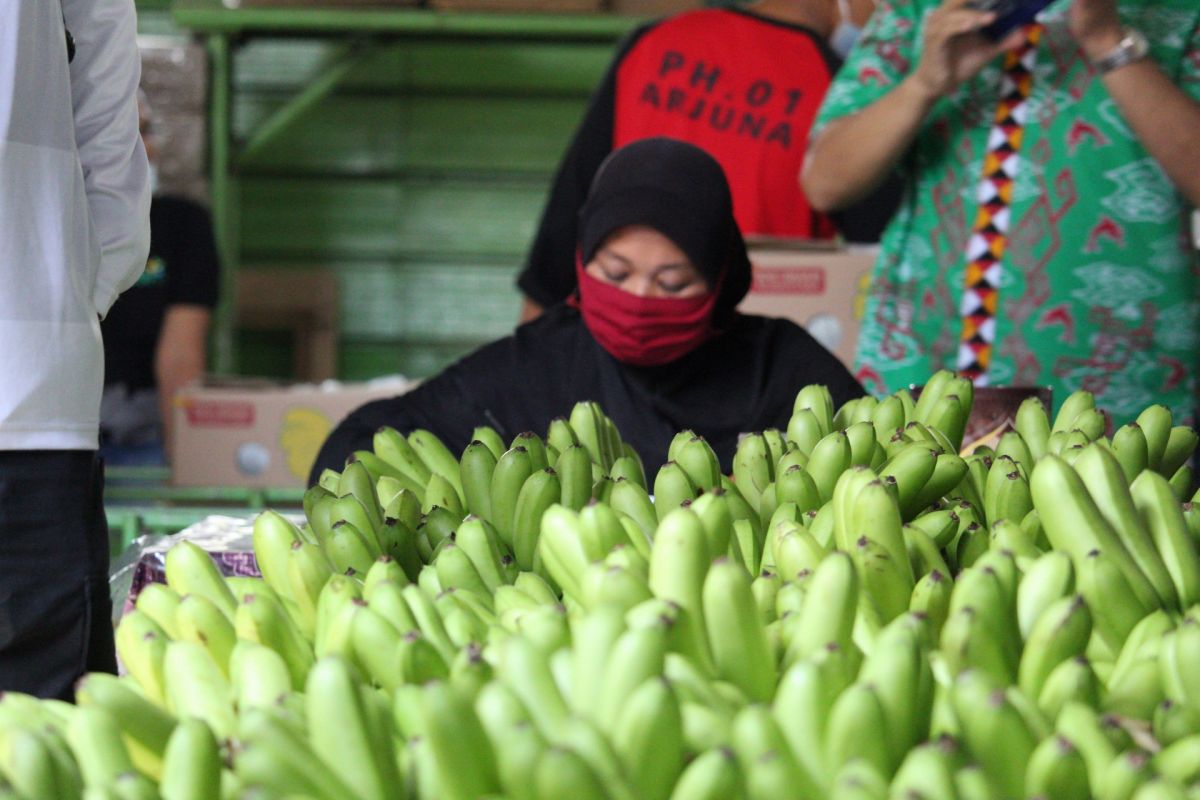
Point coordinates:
[(55, 612), (182, 270), (744, 380)]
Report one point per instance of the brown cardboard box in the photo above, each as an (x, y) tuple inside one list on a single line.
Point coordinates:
[(239, 432), (820, 287)]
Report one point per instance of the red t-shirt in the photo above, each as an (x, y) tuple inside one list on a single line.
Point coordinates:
[(743, 88)]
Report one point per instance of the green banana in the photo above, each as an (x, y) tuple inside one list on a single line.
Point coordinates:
[(197, 688), (1160, 509), (437, 457), (199, 620), (190, 570), (145, 726), (1060, 633), (828, 460), (648, 739), (574, 468), (1155, 422), (1056, 769), (1072, 522), (466, 765), (672, 488), (391, 446), (476, 467), (192, 765), (735, 631), (712, 775), (631, 500), (994, 732), (159, 602), (343, 739)]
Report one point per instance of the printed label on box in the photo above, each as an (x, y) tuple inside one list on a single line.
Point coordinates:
[(219, 414), (789, 280)]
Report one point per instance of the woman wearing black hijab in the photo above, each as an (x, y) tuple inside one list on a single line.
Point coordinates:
[(652, 335)]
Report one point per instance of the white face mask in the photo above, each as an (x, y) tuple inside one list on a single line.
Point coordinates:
[(846, 33)]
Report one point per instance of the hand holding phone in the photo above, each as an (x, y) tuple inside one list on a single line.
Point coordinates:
[(1010, 14)]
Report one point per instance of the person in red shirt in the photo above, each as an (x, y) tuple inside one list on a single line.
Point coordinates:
[(743, 84)]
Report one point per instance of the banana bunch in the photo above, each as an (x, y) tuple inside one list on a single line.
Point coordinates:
[(858, 610)]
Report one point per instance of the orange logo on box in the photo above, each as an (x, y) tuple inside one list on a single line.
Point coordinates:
[(219, 414), (789, 280)]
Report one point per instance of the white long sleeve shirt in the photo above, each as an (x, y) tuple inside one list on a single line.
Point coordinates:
[(74, 210)]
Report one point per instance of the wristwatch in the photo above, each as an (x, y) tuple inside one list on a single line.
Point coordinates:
[(1132, 47)]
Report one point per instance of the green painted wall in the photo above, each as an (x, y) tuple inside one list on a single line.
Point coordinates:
[(419, 182)]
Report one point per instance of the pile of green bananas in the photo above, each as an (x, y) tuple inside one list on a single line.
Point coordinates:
[(860, 612)]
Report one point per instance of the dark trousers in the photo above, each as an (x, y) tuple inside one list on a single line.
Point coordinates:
[(55, 612)]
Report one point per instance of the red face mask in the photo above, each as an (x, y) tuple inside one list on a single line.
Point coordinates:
[(643, 331)]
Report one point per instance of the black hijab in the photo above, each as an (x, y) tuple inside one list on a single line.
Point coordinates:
[(680, 191)]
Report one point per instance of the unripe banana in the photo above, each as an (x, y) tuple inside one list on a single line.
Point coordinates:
[(192, 766), (713, 775), (697, 458), (766, 759), (994, 732), (829, 608), (735, 631), (648, 739), (911, 466), (348, 549), (817, 399), (197, 688), (394, 449), (199, 620), (95, 741), (437, 457), (526, 670), (1072, 522), (1179, 762), (672, 488), (931, 597), (262, 619), (1156, 502), (574, 469), (466, 766), (145, 726), (828, 460), (1072, 681), (949, 471), (1155, 422), (1083, 726), (631, 500), (804, 430), (476, 467), (1181, 443), (259, 676), (629, 465), (278, 760), (190, 570), (141, 646), (1124, 776), (344, 737), (159, 602), (1056, 769), (855, 721), (1060, 633), (508, 477)]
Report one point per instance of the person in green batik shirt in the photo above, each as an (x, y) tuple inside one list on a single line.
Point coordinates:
[(1045, 234)]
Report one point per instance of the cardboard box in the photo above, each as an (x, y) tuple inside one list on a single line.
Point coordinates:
[(820, 287), (239, 432)]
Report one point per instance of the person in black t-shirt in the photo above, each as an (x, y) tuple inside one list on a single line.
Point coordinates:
[(653, 336), (155, 336), (744, 84)]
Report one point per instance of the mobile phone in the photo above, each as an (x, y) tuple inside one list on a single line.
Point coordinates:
[(1009, 14)]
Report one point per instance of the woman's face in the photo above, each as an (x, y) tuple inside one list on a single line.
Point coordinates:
[(640, 260)]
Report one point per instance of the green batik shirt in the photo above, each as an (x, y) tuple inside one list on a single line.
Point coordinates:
[(1097, 283)]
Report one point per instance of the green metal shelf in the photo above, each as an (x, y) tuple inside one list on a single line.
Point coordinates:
[(359, 35), (208, 17)]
